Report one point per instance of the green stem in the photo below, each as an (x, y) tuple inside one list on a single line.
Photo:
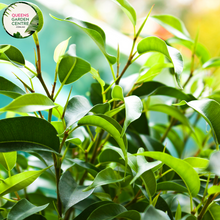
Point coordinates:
[(113, 72), (172, 122), (10, 200)]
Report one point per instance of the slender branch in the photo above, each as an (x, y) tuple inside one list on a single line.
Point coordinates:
[(134, 199), (172, 122)]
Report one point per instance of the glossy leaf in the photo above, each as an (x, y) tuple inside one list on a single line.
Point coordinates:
[(213, 212), (214, 189), (209, 110), (170, 186), (19, 181), (8, 160), (155, 214), (214, 62), (95, 32), (2, 6), (197, 162), (173, 25), (27, 134), (29, 103), (182, 168), (155, 44), (96, 75), (111, 211), (70, 192), (117, 93), (10, 89), (77, 107), (104, 177), (201, 52), (11, 54), (108, 124), (128, 9), (60, 50), (72, 68), (24, 209)]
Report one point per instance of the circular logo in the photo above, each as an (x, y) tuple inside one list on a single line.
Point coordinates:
[(20, 20)]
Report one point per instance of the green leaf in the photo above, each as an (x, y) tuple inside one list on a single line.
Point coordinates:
[(170, 186), (214, 166), (8, 160), (201, 52), (155, 214), (19, 181), (33, 25), (77, 107), (197, 162), (96, 75), (29, 103), (182, 168), (2, 6), (111, 211), (189, 217), (155, 44), (213, 190), (10, 89), (117, 93), (108, 124), (153, 72), (128, 10), (104, 177), (213, 213), (214, 62), (86, 212), (11, 54), (60, 50), (173, 25), (36, 217), (209, 110), (95, 32), (178, 214), (24, 209), (70, 192), (72, 68), (27, 134)]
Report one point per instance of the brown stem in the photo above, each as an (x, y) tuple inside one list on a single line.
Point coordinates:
[(134, 199)]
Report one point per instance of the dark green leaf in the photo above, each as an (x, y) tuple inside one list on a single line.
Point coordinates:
[(128, 9), (173, 25), (213, 213), (154, 214), (24, 209), (155, 44), (72, 68), (209, 110), (101, 108), (36, 217), (70, 192), (11, 54), (10, 89), (95, 32), (29, 103), (170, 186), (22, 161), (104, 177), (77, 107), (27, 133), (19, 181), (189, 217), (182, 168)]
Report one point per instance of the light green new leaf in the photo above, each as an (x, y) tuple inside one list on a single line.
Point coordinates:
[(112, 211), (214, 189), (178, 214), (109, 125), (19, 181), (155, 214), (12, 54), (104, 177), (128, 9), (182, 168), (2, 6), (117, 93), (8, 160), (96, 75), (173, 25), (213, 212), (70, 192), (60, 50), (72, 68), (29, 103), (27, 134), (209, 110), (201, 52), (155, 44), (214, 62), (95, 32), (10, 89), (24, 209), (197, 162)]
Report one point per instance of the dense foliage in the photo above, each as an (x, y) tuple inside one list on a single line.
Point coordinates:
[(107, 157)]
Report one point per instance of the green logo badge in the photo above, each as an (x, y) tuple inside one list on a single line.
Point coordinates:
[(20, 20)]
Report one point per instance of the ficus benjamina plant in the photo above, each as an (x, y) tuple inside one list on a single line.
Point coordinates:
[(107, 157)]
